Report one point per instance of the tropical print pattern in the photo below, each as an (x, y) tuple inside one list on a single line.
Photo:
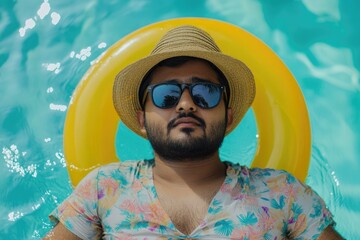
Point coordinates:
[(119, 201)]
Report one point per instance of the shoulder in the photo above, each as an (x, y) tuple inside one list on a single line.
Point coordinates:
[(126, 167), (280, 191), (260, 177), (271, 182), (277, 182), (121, 173), (272, 176)]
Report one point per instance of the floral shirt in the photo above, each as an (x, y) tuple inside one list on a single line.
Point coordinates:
[(119, 201)]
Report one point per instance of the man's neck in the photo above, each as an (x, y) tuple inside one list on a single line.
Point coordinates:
[(189, 172)]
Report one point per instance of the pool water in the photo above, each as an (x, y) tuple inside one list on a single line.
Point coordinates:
[(46, 47)]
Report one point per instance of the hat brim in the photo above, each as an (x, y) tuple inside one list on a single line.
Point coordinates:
[(127, 84)]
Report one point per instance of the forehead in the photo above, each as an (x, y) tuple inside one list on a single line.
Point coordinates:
[(184, 73)]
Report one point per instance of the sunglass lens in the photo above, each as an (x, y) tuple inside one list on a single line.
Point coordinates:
[(206, 95), (166, 95)]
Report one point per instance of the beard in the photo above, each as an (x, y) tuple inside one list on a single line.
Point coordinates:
[(189, 149)]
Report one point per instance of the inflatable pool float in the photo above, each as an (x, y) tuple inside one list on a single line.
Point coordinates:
[(281, 115)]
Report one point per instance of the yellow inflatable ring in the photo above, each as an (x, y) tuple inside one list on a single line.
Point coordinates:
[(282, 119)]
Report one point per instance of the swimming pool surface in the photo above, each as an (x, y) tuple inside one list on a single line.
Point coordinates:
[(46, 46)]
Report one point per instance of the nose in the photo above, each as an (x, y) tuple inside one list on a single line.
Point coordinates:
[(186, 103)]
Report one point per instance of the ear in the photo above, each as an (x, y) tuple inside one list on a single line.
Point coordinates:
[(229, 118), (141, 120)]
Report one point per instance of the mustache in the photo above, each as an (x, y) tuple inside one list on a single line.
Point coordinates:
[(182, 115)]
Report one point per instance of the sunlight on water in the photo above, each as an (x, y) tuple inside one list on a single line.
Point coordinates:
[(327, 10), (336, 68)]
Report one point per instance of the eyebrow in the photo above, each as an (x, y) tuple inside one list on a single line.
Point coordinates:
[(197, 79), (193, 80)]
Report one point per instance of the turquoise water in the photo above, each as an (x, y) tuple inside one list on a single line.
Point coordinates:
[(46, 47)]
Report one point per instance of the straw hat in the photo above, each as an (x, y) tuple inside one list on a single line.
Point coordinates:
[(183, 41)]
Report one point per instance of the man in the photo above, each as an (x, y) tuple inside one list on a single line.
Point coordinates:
[(185, 97)]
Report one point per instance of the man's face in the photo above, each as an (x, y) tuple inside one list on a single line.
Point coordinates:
[(186, 131)]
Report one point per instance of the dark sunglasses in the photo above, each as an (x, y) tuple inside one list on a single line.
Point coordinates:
[(167, 95)]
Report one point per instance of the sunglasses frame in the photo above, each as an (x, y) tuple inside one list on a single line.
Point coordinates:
[(182, 87)]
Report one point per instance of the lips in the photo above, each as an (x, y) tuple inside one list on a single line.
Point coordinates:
[(187, 122)]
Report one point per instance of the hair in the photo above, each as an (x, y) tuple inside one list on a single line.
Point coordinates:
[(178, 61)]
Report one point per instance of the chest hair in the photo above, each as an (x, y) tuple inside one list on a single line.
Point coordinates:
[(186, 211), (185, 215)]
